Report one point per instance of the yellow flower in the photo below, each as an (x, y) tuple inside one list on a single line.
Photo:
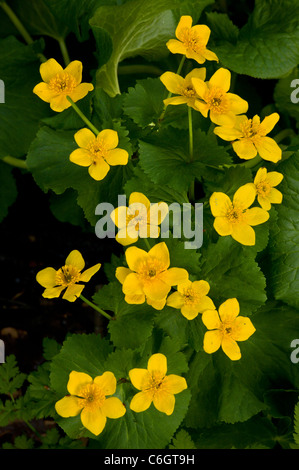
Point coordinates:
[(250, 137), (149, 277), (182, 86), (223, 106), (66, 277), (264, 184), (140, 219), (234, 218), (88, 397), (226, 329), (98, 152), (155, 386), (191, 298), (58, 83), (192, 41)]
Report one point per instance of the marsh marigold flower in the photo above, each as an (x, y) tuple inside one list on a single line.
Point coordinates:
[(191, 298), (99, 152), (58, 83), (234, 217), (89, 397), (216, 100), (182, 87), (264, 185), (66, 277), (249, 137), (191, 41), (155, 386), (140, 219), (148, 277), (226, 328)]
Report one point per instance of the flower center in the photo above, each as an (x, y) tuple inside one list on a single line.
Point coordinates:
[(97, 150), (91, 397), (263, 188), (235, 214), (217, 100), (150, 269), (191, 41), (189, 92), (67, 275), (62, 83), (190, 296), (155, 382), (251, 130), (137, 219)]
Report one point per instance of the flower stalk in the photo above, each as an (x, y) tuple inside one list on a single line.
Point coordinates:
[(95, 307), (82, 116)]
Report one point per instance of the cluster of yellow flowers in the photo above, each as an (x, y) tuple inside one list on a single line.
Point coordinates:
[(87, 396), (149, 277)]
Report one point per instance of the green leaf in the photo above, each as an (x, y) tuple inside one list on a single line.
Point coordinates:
[(233, 391), (137, 28), (296, 425), (182, 440), (165, 157), (266, 46), (283, 266), (22, 110), (10, 377)]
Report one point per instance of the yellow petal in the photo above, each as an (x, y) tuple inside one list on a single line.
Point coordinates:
[(196, 73), (176, 47), (47, 277), (132, 285), (256, 216), (237, 104), (139, 198), (59, 103), (220, 203), (200, 86), (269, 150), (205, 303), (269, 122), (107, 382), (141, 401), (211, 320), (202, 33), (84, 137), (244, 234), (88, 273), (227, 133), (261, 175), (113, 408), (203, 108), (73, 292), (173, 82), (209, 55), (264, 202), (164, 402), (75, 259), (99, 169), (125, 238), (184, 23), (244, 196), (74, 68), (201, 287), (53, 292), (81, 157), (156, 304), (275, 196), (244, 148), (156, 289), (67, 407), (77, 381), (229, 310), (121, 273), (175, 384), (175, 100), (189, 311), (134, 256), (117, 157), (244, 328), (211, 341), (175, 300), (81, 91), (43, 91), (139, 377), (221, 79), (49, 69), (135, 299), (223, 119), (231, 348), (174, 276), (274, 178), (94, 420), (160, 251), (223, 226), (157, 363)]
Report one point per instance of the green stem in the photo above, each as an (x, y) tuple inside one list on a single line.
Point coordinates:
[(19, 26), (138, 68), (148, 246), (33, 429), (15, 162), (95, 307), (283, 134), (64, 51), (82, 116), (253, 162), (192, 185)]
